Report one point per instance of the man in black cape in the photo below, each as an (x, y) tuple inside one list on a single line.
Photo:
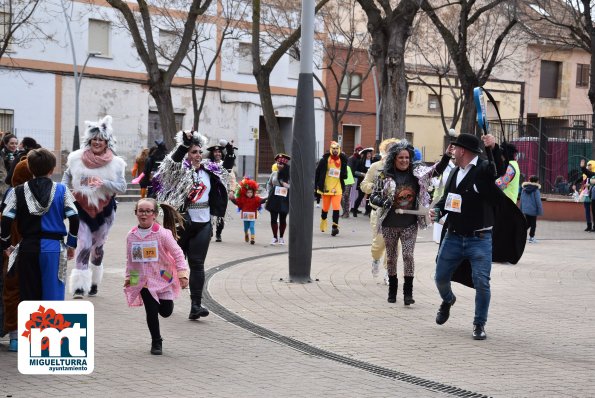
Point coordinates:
[(483, 226)]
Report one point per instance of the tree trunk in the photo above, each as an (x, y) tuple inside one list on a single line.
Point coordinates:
[(389, 54), (335, 128), (268, 111), (469, 117), (394, 89), (161, 92), (196, 113)]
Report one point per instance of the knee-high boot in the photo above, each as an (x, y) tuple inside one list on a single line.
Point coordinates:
[(408, 291), (393, 284)]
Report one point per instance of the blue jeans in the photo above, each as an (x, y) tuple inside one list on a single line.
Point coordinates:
[(453, 250)]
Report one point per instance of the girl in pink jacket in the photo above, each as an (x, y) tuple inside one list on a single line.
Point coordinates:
[(155, 266)]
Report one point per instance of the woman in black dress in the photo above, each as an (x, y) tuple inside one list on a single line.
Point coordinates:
[(278, 198)]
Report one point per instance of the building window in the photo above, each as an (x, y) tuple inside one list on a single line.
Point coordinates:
[(549, 80), (433, 103), (245, 58), (582, 75), (410, 96), (349, 81), (409, 137), (5, 26), (491, 113), (7, 120), (99, 37)]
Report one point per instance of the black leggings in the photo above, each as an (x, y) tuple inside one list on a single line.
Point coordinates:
[(196, 238), (153, 310), (282, 223), (360, 196), (220, 225), (531, 224)]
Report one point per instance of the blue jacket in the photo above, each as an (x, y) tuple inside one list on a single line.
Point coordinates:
[(531, 199)]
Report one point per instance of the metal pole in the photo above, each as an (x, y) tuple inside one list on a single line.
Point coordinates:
[(78, 78), (378, 103), (302, 158)]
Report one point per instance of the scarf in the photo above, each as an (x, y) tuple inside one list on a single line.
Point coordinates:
[(336, 160), (93, 161)]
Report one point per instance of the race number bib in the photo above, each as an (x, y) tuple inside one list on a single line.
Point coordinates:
[(145, 252), (332, 172), (88, 181), (281, 191), (454, 201), (248, 215)]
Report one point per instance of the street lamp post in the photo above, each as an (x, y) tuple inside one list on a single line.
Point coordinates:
[(77, 88), (302, 158)]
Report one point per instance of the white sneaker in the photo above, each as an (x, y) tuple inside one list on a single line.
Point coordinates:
[(318, 205), (532, 240), (274, 241), (386, 278), (281, 241), (375, 268)]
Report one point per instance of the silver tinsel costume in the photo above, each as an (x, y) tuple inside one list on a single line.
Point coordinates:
[(174, 180)]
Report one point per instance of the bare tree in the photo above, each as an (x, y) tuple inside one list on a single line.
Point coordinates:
[(281, 19), (390, 28), (569, 24), (490, 20), (140, 22), (16, 24), (200, 53), (432, 67), (344, 60)]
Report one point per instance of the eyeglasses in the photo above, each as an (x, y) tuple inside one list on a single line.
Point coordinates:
[(143, 211)]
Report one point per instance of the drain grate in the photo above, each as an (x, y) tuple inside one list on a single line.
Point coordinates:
[(233, 318)]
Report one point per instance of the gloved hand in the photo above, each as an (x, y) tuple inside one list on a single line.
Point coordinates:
[(187, 137), (229, 148)]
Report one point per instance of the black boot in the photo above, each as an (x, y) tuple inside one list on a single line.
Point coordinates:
[(197, 310), (588, 227), (354, 212), (408, 291), (156, 347), (393, 284)]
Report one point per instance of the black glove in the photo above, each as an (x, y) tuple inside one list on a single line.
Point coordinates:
[(229, 149), (186, 141)]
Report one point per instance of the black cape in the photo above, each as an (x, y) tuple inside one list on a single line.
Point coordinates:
[(509, 237)]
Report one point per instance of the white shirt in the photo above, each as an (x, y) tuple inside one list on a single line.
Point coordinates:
[(463, 172), (202, 215)]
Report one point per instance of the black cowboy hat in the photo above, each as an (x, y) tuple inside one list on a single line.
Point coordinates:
[(215, 147), (282, 158), (468, 141)]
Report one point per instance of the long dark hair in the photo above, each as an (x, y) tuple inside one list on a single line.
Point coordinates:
[(283, 174)]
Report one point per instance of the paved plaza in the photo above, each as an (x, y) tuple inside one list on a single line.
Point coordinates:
[(337, 336)]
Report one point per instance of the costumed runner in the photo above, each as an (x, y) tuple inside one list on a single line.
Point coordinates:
[(197, 189), (330, 175), (401, 195), (481, 219), (367, 187), (96, 174), (225, 164)]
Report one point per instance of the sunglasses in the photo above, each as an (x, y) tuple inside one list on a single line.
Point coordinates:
[(142, 211)]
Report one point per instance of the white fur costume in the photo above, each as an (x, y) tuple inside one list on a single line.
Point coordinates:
[(93, 201)]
